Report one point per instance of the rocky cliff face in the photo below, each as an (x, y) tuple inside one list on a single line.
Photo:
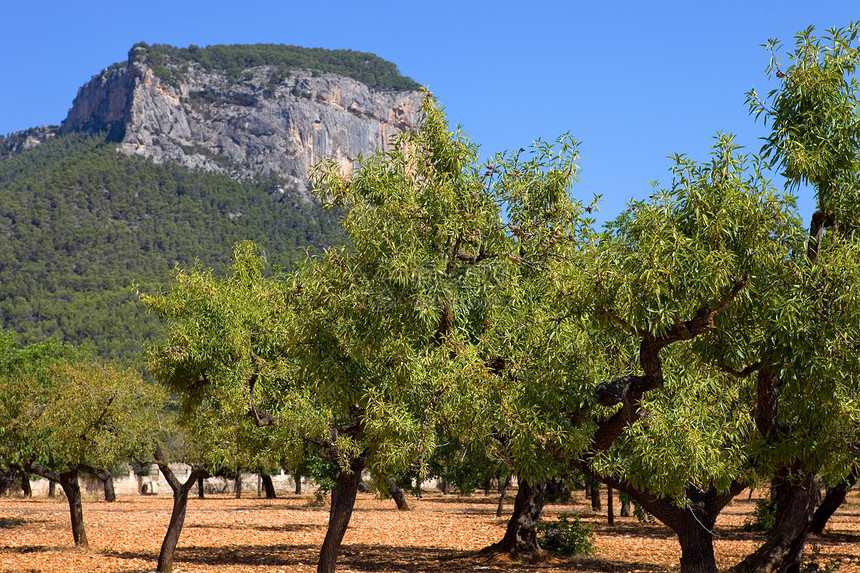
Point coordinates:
[(256, 124)]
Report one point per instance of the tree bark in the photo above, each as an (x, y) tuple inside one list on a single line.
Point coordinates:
[(796, 498), (105, 477), (25, 485), (69, 482), (268, 486), (342, 504), (443, 485), (238, 483), (396, 493), (7, 479), (831, 502), (610, 509), (297, 478), (503, 490), (626, 510), (200, 486), (595, 498), (52, 488), (177, 515), (693, 524), (520, 540)]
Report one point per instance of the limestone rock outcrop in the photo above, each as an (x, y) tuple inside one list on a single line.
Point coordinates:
[(256, 123)]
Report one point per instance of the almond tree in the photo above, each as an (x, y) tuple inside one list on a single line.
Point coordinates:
[(806, 392), (58, 417), (364, 351), (705, 344)]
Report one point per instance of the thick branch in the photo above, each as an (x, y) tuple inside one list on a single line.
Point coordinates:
[(42, 471), (747, 370), (628, 390), (767, 412), (820, 221)]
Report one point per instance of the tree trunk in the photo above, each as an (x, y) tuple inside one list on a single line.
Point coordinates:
[(595, 499), (588, 491), (238, 483), (834, 498), (297, 478), (396, 493), (626, 510), (503, 490), (693, 524), (25, 485), (520, 540), (69, 483), (610, 510), (268, 486), (697, 544), (52, 488), (200, 486), (443, 485), (105, 477), (7, 479), (177, 515), (342, 504), (796, 498)]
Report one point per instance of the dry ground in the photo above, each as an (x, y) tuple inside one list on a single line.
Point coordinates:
[(441, 534)]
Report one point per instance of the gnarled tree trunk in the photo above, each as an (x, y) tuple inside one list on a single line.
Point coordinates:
[(693, 524), (831, 502), (396, 493), (796, 497), (105, 477), (342, 504), (520, 540), (268, 486), (177, 515), (69, 482), (72, 489)]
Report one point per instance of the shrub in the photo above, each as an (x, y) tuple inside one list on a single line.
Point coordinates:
[(764, 515), (567, 536)]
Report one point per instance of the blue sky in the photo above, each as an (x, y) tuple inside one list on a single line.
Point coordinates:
[(633, 81)]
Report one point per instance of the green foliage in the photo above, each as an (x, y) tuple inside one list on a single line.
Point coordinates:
[(566, 536), (82, 223), (376, 73), (764, 515), (815, 117), (59, 409)]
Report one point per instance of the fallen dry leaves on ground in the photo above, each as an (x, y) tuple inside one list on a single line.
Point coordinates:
[(441, 534)]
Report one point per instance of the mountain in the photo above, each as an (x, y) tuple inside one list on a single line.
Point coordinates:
[(170, 158)]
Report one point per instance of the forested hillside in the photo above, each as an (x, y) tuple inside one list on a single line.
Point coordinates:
[(82, 223), (369, 69)]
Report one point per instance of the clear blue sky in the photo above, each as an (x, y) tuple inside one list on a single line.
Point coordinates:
[(634, 81)]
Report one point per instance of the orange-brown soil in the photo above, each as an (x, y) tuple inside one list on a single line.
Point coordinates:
[(441, 533)]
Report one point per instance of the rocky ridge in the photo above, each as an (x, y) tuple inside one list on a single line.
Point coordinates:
[(258, 123)]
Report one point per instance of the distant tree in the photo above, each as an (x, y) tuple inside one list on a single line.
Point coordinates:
[(58, 416)]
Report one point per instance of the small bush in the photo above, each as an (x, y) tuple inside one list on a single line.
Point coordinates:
[(567, 536), (764, 515)]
